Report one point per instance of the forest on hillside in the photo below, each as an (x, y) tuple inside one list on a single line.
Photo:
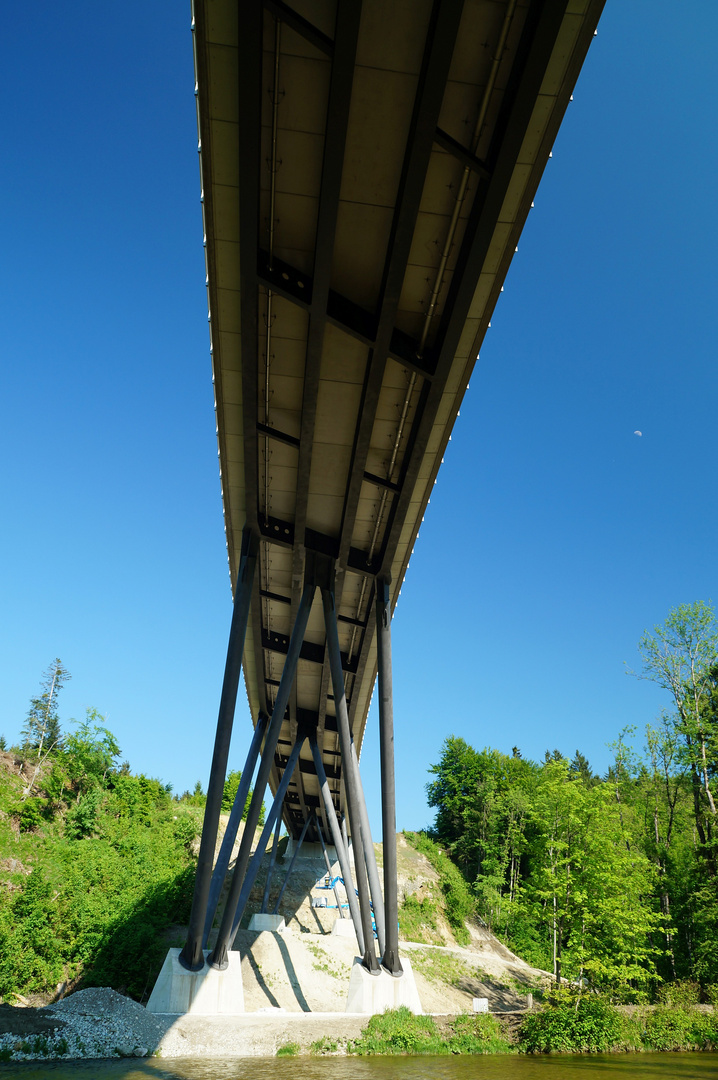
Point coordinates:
[(609, 879), (96, 862)]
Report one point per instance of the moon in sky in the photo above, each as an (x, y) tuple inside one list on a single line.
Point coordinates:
[(637, 432)]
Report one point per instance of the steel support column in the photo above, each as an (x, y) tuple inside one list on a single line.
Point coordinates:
[(300, 841), (390, 958), (225, 852), (218, 956), (270, 870), (325, 853), (342, 850), (353, 797), (192, 956), (273, 818), (370, 857)]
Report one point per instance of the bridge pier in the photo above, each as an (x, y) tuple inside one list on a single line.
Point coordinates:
[(368, 906)]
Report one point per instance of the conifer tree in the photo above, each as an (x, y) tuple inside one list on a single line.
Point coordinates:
[(42, 726)]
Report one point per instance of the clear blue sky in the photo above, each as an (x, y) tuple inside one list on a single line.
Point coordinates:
[(573, 534)]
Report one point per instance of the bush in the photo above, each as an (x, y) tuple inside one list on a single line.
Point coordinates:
[(590, 1025), (679, 1028), (82, 819), (399, 1031), (31, 950), (682, 993), (31, 814)]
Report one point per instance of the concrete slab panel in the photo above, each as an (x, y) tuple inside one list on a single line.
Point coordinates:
[(262, 921), (371, 994)]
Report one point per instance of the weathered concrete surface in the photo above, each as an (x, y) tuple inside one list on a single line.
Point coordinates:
[(262, 921), (202, 993), (371, 994), (254, 1034)]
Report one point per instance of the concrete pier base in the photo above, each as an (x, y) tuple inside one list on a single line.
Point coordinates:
[(263, 921), (344, 928), (370, 994), (201, 993)]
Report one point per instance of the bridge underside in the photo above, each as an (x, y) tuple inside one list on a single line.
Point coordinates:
[(366, 171)]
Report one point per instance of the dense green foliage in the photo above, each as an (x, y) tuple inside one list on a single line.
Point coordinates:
[(589, 1024), (109, 871), (96, 864), (611, 880), (401, 1032)]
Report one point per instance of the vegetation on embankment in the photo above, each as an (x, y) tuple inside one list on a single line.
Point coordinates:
[(94, 868), (401, 1032), (451, 898), (570, 1024), (610, 881), (577, 1023), (96, 862)]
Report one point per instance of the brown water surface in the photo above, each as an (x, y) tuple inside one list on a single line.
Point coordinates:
[(498, 1067)]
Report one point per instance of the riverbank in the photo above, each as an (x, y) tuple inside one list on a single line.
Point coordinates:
[(102, 1024)]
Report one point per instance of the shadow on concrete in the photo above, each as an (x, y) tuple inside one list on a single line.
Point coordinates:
[(293, 980), (261, 981)]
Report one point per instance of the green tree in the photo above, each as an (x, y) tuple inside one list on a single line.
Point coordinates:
[(42, 726), (41, 732), (90, 753), (681, 656)]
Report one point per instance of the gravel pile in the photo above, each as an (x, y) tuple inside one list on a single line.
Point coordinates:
[(94, 1023)]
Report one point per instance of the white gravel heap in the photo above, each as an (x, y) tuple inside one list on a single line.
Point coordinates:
[(94, 1023)]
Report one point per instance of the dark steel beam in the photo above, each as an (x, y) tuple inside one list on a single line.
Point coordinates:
[(295, 854), (225, 852), (218, 957), (339, 846), (192, 956), (382, 482), (311, 651), (390, 954), (280, 436), (252, 871), (346, 35), (272, 863), (302, 26), (539, 40), (441, 36), (369, 854), (445, 141), (352, 792), (345, 314), (249, 65), (275, 596), (325, 853), (283, 533)]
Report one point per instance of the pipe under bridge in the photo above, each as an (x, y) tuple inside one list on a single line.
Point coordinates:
[(366, 170)]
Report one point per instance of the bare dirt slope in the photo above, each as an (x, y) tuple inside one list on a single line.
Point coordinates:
[(306, 968)]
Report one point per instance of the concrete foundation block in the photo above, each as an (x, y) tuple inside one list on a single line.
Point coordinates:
[(371, 994), (262, 921), (201, 993), (344, 928)]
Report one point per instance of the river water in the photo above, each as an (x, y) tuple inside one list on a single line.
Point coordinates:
[(499, 1067)]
